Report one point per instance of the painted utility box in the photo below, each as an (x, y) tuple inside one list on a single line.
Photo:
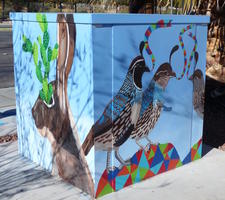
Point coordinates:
[(108, 100)]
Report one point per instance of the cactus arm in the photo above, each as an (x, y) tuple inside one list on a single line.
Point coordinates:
[(43, 55), (35, 53), (49, 54), (38, 72), (46, 39), (27, 45), (39, 18), (50, 92), (55, 52), (45, 89), (42, 96)]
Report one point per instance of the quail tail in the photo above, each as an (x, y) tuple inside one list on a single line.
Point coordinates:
[(89, 142)]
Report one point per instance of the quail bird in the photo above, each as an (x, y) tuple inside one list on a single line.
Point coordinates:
[(152, 101), (120, 116), (197, 79)]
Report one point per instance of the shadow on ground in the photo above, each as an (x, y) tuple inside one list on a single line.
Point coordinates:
[(214, 116), (20, 179), (8, 113)]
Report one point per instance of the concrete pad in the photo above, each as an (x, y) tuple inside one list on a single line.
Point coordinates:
[(8, 126), (7, 105), (203, 180), (22, 180), (7, 99)]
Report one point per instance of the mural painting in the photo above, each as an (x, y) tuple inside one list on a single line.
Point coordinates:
[(51, 111), (140, 118), (156, 158)]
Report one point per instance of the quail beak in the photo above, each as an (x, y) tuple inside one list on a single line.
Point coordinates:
[(146, 69), (173, 75)]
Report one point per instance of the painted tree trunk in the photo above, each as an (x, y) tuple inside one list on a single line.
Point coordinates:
[(56, 122)]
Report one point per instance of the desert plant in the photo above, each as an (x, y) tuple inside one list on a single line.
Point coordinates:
[(47, 55)]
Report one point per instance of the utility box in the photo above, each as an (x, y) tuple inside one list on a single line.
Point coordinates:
[(108, 100)]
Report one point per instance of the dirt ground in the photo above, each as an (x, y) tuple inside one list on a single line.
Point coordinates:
[(8, 138)]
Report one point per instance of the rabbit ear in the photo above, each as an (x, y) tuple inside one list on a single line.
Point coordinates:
[(66, 35), (141, 47), (62, 41), (71, 41), (66, 41)]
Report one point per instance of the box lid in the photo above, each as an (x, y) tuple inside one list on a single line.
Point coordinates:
[(101, 18)]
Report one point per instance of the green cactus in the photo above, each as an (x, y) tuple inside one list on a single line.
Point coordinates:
[(35, 53), (39, 73), (42, 20), (47, 55), (43, 54), (46, 39), (27, 45), (55, 52)]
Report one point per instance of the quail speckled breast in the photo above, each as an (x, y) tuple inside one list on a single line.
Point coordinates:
[(120, 116), (197, 79), (152, 101)]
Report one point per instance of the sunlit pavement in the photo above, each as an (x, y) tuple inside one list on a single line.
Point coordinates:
[(7, 111), (203, 179)]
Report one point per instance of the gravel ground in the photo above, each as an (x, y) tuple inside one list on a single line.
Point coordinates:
[(8, 138)]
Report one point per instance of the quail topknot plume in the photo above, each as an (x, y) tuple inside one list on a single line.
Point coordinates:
[(152, 101), (120, 116)]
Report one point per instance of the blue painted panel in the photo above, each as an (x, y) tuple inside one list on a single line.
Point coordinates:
[(102, 59)]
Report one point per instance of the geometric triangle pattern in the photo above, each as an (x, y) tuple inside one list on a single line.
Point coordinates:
[(195, 153), (158, 159)]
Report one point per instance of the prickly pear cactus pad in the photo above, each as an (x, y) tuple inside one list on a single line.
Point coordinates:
[(47, 54)]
